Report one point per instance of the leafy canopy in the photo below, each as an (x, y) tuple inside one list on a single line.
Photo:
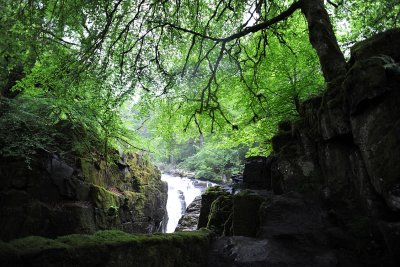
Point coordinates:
[(168, 70)]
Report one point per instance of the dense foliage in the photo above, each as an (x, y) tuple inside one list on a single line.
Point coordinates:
[(156, 74)]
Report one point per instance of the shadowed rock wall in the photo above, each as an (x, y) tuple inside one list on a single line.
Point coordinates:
[(334, 174), (54, 197)]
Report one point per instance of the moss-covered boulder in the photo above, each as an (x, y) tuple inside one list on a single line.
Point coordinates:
[(220, 211), (207, 198)]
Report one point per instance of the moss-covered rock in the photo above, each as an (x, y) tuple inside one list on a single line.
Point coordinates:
[(245, 217), (221, 209), (108, 248), (207, 198), (60, 196), (103, 198)]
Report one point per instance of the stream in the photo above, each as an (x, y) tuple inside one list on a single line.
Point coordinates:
[(181, 192)]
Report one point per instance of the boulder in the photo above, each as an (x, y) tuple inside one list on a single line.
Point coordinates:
[(221, 210), (190, 219), (207, 198)]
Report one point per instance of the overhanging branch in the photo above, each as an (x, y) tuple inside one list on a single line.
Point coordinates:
[(252, 29)]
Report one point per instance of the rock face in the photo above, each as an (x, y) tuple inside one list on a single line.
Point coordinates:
[(256, 174), (334, 172), (348, 162), (55, 197), (255, 252)]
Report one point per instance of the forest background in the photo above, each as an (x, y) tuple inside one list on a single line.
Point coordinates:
[(196, 84)]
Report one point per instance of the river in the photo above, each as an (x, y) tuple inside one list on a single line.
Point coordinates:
[(181, 192)]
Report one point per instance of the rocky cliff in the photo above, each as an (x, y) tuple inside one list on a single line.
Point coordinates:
[(54, 196), (332, 183)]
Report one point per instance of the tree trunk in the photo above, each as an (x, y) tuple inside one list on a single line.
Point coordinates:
[(323, 39)]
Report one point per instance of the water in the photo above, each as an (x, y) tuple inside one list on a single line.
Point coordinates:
[(181, 192)]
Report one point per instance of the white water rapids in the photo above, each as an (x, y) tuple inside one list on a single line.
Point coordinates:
[(181, 192)]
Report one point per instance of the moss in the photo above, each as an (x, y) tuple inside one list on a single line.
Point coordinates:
[(6, 249), (103, 198), (111, 248), (213, 189), (107, 237), (142, 170), (220, 211), (211, 194), (91, 174), (228, 230), (35, 244)]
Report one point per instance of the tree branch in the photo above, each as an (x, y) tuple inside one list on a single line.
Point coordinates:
[(281, 17)]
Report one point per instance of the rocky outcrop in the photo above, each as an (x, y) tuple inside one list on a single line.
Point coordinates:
[(256, 174), (54, 197), (207, 198), (190, 219), (108, 249), (334, 174), (232, 214), (345, 167)]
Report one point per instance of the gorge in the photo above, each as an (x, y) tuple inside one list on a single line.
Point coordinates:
[(304, 208), (297, 101)]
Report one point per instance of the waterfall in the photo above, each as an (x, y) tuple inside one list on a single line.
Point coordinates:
[(181, 192)]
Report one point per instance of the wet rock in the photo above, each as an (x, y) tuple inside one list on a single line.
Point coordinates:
[(190, 219), (333, 114)]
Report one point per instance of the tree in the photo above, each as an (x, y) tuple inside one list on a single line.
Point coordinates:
[(101, 53)]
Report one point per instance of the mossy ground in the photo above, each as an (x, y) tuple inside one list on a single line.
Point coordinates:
[(108, 248)]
